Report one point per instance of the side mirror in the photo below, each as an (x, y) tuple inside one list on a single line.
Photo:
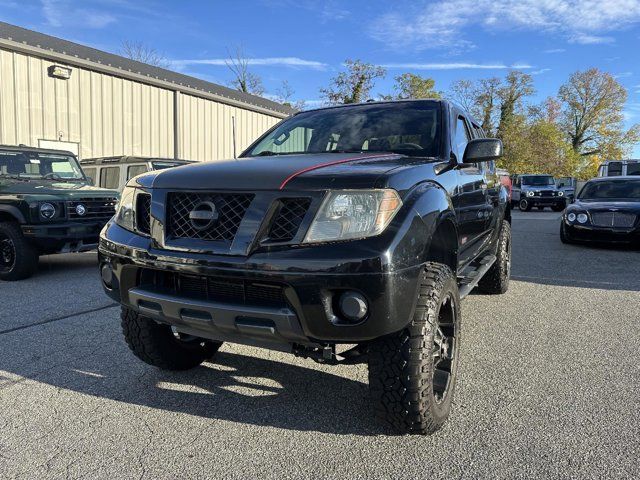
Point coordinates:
[(482, 150), (90, 181)]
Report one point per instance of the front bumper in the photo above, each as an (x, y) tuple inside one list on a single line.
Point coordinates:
[(591, 234), (546, 201), (310, 287), (68, 236)]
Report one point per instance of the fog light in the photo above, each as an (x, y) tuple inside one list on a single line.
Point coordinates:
[(106, 272), (353, 306)]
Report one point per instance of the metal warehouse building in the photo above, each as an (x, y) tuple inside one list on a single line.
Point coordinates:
[(59, 94)]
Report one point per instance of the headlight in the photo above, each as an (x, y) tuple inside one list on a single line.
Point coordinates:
[(560, 194), (350, 214), (571, 217), (582, 218), (47, 210), (530, 193), (125, 211)]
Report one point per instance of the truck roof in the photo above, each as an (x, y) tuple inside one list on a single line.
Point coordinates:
[(129, 159), (25, 148)]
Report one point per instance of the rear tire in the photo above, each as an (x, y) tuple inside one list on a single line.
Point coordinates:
[(412, 373), (525, 205), (158, 345), (18, 258), (496, 280)]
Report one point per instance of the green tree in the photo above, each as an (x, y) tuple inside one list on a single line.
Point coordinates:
[(354, 84), (517, 85), (486, 103), (593, 117), (410, 85)]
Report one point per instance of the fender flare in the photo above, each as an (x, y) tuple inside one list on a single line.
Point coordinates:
[(432, 204), (14, 212)]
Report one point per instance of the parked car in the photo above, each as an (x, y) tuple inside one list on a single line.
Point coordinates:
[(359, 224), (619, 168), (606, 210), (115, 172), (567, 185), (537, 191), (505, 179), (46, 206)]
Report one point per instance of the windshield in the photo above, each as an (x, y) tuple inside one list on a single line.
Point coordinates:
[(409, 128), (620, 190), (163, 165), (538, 180), (41, 166)]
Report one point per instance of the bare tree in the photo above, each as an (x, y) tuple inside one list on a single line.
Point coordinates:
[(285, 94), (465, 93), (141, 52), (244, 80), (354, 85)]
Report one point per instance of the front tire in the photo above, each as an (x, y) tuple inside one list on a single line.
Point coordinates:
[(412, 373), (525, 205), (496, 280), (558, 208), (18, 258), (564, 238), (158, 345)]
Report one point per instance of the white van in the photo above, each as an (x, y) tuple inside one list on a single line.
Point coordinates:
[(115, 172), (619, 168)]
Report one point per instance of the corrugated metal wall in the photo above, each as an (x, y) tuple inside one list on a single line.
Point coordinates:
[(206, 128), (108, 115)]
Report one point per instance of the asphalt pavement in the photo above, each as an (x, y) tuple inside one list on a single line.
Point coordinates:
[(549, 386)]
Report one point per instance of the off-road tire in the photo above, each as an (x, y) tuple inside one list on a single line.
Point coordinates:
[(25, 256), (496, 280), (525, 205), (156, 344), (401, 365)]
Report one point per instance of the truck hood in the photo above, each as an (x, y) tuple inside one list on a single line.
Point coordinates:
[(286, 172), (67, 190)]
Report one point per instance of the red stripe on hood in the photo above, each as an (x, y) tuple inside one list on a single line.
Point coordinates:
[(327, 164)]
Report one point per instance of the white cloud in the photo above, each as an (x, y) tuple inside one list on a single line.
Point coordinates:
[(293, 62), (586, 39), (456, 66), (541, 71), (555, 50), (61, 13), (443, 23)]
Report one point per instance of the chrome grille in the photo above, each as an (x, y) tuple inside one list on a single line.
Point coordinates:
[(95, 208), (287, 222), (143, 213), (613, 219), (230, 208)]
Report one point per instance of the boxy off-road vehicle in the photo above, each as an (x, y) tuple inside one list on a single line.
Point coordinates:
[(346, 234), (47, 205)]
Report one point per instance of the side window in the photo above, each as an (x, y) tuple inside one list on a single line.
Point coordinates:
[(90, 172), (110, 177), (134, 170), (461, 138), (615, 169)]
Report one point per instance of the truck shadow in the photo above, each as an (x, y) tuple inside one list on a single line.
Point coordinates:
[(233, 387)]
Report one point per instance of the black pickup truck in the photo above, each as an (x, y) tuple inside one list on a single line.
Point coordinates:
[(346, 234)]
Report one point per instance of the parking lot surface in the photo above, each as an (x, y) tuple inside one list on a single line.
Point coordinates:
[(549, 386)]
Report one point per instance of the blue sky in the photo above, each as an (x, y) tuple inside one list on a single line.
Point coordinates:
[(306, 41)]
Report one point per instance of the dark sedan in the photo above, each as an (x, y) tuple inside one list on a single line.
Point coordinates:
[(606, 210)]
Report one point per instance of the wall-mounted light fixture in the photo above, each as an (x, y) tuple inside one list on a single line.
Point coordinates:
[(58, 71)]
